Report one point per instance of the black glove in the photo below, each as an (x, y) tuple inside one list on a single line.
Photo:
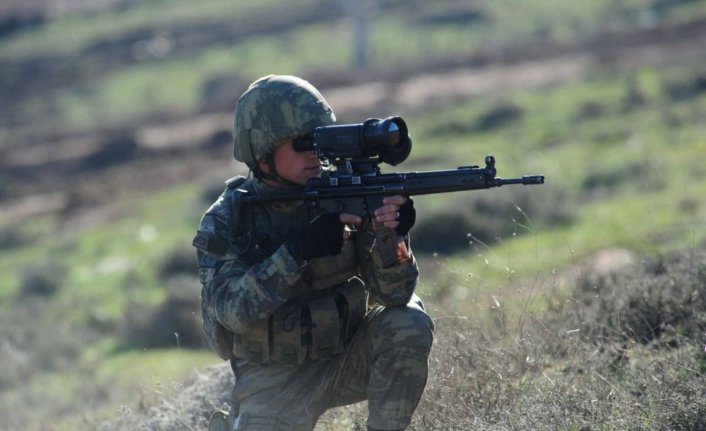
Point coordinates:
[(407, 218), (322, 237)]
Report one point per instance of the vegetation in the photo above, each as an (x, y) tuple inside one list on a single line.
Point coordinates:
[(577, 305)]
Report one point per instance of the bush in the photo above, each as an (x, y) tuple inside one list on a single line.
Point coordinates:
[(590, 110), (46, 341), (686, 89), (186, 407), (180, 261), (662, 298), (498, 116), (601, 180), (41, 280), (116, 148), (11, 238), (684, 408), (491, 216), (173, 323), (495, 117)]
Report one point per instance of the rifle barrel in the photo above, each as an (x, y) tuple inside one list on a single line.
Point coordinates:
[(526, 180), (405, 183)]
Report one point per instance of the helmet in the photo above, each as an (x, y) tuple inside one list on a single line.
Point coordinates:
[(274, 108)]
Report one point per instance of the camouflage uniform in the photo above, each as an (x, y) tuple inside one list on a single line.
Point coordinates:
[(305, 336)]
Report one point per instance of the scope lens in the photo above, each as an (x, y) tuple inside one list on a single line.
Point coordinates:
[(393, 134)]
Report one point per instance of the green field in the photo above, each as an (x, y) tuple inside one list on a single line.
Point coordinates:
[(621, 148)]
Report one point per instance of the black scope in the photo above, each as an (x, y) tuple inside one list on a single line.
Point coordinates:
[(387, 139)]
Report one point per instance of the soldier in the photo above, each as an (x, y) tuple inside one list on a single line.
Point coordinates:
[(300, 304)]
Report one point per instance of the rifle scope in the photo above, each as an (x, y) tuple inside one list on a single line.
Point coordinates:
[(387, 139)]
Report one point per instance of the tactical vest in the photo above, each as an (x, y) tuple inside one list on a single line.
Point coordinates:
[(325, 307)]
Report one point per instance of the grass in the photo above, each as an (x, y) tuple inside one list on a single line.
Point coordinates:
[(505, 360), (70, 33), (177, 83)]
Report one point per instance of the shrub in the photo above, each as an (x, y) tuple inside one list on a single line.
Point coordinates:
[(684, 408), (11, 238), (180, 261), (590, 110), (487, 217), (498, 116), (685, 89), (634, 97), (601, 180), (187, 406), (116, 148), (173, 323), (45, 341), (43, 279), (662, 297)]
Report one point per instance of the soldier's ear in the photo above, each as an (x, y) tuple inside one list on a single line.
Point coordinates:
[(264, 166)]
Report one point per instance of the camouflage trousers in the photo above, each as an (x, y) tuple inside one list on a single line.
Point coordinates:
[(386, 362)]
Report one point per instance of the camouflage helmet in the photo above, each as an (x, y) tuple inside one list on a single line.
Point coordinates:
[(274, 108)]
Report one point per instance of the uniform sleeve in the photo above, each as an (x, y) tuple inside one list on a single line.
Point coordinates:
[(391, 286), (239, 285), (241, 294)]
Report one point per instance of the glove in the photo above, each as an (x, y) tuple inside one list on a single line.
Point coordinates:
[(322, 237), (407, 217)]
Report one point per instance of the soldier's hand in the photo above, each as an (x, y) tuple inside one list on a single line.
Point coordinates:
[(397, 213), (322, 237)]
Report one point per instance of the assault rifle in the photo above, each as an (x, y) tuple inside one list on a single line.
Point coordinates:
[(356, 185)]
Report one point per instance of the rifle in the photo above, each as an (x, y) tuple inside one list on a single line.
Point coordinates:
[(357, 186)]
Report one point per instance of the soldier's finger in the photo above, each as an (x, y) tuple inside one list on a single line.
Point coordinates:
[(391, 224), (392, 216), (398, 200), (386, 210), (350, 218)]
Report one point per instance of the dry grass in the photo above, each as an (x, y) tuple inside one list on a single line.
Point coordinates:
[(553, 370)]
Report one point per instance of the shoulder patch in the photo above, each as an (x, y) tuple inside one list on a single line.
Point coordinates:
[(207, 261)]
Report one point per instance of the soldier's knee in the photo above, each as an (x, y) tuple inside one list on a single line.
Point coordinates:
[(408, 326)]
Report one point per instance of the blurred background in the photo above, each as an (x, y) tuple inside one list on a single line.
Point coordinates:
[(115, 136)]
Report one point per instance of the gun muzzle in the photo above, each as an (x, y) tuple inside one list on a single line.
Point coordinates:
[(532, 179)]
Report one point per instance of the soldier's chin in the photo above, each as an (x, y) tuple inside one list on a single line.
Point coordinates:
[(313, 172)]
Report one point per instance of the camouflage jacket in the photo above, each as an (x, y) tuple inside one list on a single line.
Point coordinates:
[(247, 273)]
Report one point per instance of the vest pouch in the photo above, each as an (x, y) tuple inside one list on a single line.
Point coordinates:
[(325, 336), (254, 344), (218, 338), (352, 299), (288, 335)]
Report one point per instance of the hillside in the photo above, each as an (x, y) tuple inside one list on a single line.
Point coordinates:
[(115, 136)]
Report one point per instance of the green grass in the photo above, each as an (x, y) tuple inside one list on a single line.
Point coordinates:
[(175, 83), (71, 33), (646, 160), (154, 368), (653, 207)]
